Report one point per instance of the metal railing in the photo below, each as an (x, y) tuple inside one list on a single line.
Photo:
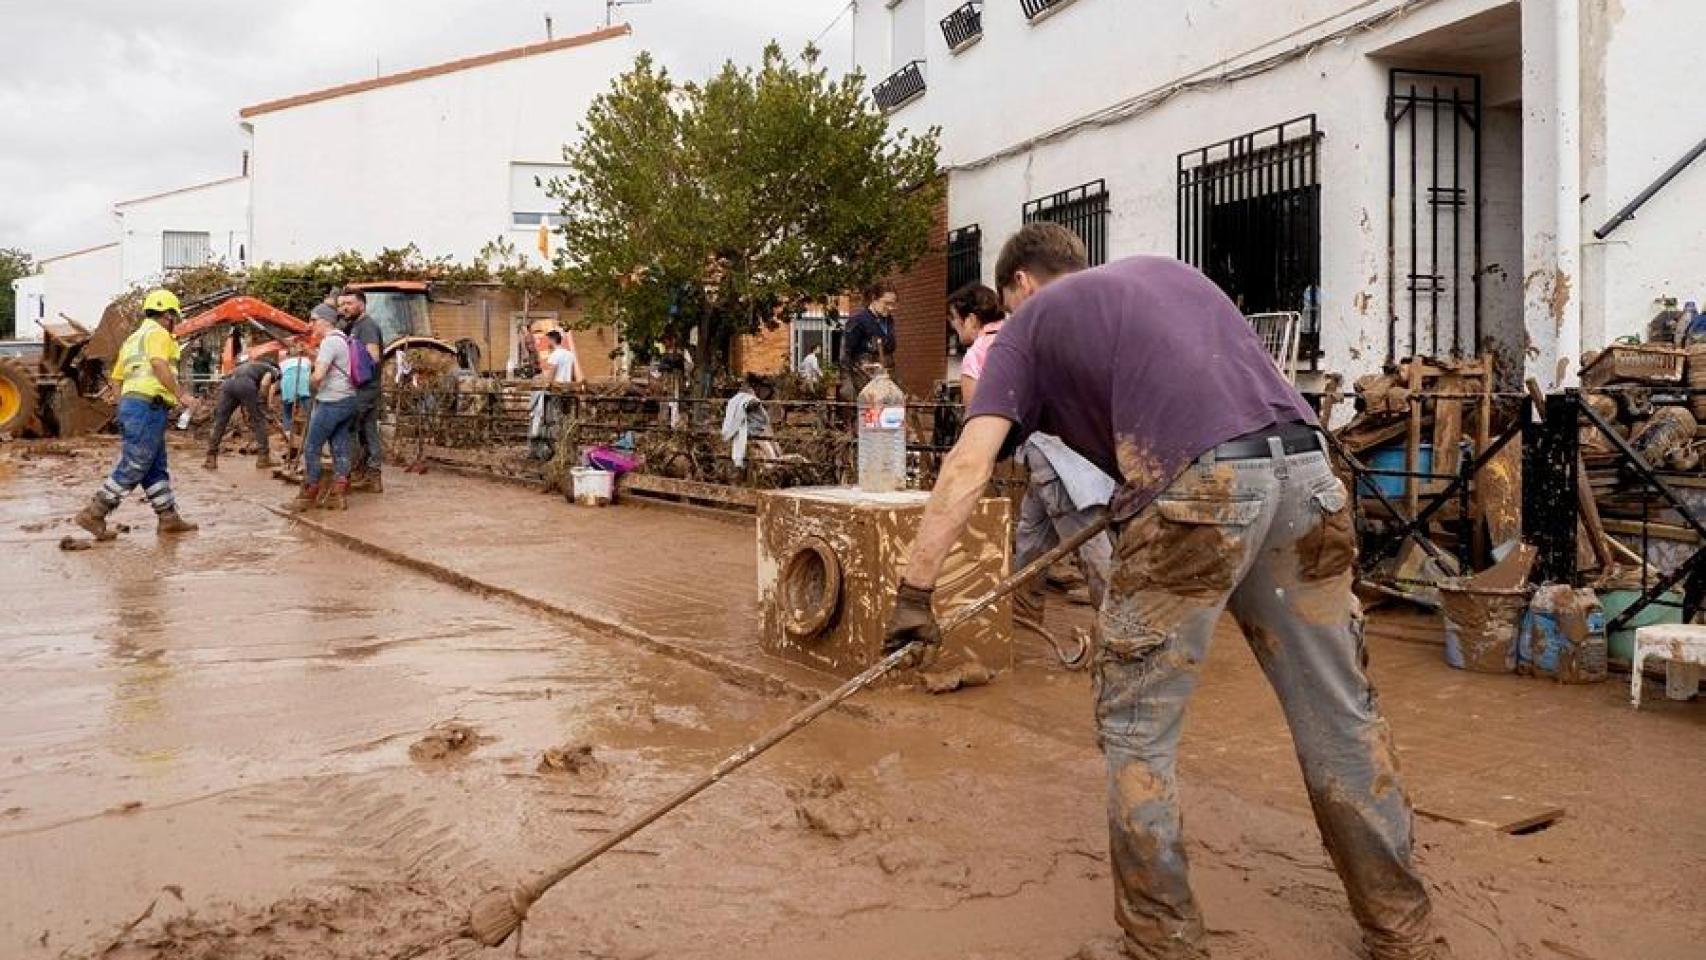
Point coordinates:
[(965, 256), (901, 86), (1037, 8), (964, 26), (1083, 210)]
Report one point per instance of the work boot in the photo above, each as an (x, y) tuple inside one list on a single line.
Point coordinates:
[(335, 499), (93, 518), (370, 482), (306, 498), (262, 461), (173, 523), (212, 461)]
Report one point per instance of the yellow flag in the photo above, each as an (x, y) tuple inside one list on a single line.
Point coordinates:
[(544, 238)]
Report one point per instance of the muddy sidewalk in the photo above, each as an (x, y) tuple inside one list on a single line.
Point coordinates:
[(222, 728)]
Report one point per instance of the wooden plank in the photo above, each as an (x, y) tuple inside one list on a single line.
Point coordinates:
[(1448, 429), (1505, 813), (688, 489), (1413, 439)]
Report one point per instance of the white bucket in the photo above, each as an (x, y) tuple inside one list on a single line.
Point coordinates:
[(592, 488)]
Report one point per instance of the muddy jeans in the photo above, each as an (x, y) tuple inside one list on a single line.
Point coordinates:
[(1272, 540), (234, 394)]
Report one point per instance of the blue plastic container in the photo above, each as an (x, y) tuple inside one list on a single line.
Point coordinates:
[(1386, 470)]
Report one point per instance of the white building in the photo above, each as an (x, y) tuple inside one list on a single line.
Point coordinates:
[(1414, 176), (157, 234), (184, 228), (444, 157), (75, 286)]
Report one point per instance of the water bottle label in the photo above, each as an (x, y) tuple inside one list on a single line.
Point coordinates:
[(882, 418)]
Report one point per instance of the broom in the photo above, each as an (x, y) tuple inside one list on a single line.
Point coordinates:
[(500, 913)]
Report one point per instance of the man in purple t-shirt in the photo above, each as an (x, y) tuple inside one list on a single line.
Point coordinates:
[(1227, 502)]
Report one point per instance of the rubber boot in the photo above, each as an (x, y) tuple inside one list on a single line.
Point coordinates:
[(306, 498), (172, 523), (371, 482), (93, 518), (336, 499), (262, 461), (212, 461)]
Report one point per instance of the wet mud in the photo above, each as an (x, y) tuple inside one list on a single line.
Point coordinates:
[(230, 717), (445, 741)]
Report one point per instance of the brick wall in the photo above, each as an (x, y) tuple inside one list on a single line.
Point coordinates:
[(921, 352), (766, 351)]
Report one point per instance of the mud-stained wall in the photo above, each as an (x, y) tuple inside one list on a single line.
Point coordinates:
[(487, 314), (869, 536)]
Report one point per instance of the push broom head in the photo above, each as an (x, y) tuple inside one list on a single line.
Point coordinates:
[(497, 915)]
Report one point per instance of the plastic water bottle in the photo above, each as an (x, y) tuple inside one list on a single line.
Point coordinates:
[(882, 436)]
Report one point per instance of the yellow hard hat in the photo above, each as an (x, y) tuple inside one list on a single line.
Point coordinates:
[(160, 301)]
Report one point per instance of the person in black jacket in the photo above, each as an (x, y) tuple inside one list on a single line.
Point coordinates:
[(868, 338)]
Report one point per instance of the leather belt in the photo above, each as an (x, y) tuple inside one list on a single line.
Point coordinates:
[(1294, 438)]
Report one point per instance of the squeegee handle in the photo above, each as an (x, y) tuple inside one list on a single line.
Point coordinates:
[(787, 728)]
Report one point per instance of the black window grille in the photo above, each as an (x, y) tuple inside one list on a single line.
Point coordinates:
[(1036, 8), (964, 25), (901, 86), (965, 265), (1433, 227), (965, 256), (1083, 210), (1250, 218)]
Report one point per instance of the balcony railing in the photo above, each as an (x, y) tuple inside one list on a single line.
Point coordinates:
[(1037, 9), (901, 86), (964, 26)]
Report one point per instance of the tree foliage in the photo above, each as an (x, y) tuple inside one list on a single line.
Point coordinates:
[(14, 263), (728, 205)]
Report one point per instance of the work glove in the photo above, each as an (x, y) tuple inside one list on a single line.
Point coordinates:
[(912, 621)]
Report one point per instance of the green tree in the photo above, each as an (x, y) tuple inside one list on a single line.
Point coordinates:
[(14, 263), (733, 204)]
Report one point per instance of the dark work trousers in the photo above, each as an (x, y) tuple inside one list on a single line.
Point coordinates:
[(1271, 540), (234, 393)]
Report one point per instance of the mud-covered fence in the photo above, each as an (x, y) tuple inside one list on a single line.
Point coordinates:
[(809, 442)]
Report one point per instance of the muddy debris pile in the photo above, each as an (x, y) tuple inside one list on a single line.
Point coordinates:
[(946, 679), (573, 759), (445, 741), (825, 806)]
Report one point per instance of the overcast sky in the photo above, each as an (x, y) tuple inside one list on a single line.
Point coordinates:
[(106, 100)]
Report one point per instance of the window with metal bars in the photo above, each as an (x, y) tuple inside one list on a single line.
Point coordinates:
[(1083, 210), (965, 265), (183, 249), (900, 87), (1250, 218), (1037, 9)]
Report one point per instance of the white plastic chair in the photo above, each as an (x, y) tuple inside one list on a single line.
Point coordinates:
[(1279, 334), (1683, 646)]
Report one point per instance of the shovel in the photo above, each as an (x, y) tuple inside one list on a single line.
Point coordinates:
[(499, 914)]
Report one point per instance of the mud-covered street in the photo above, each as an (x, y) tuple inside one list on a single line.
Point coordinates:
[(262, 740)]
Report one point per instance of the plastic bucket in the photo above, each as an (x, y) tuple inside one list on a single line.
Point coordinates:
[(1481, 625), (1386, 468), (1620, 644), (1563, 636), (592, 488)]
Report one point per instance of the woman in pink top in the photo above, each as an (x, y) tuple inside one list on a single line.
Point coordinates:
[(974, 311)]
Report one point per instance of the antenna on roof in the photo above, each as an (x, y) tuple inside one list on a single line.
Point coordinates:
[(548, 34), (611, 5)]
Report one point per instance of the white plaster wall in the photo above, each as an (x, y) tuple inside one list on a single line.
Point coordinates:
[(80, 286), (423, 162), (1653, 113), (29, 306), (219, 209), (1023, 80)]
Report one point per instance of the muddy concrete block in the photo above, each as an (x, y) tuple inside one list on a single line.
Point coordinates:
[(829, 559)]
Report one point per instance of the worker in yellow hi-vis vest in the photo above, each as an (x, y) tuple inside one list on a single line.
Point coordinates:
[(147, 370)]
